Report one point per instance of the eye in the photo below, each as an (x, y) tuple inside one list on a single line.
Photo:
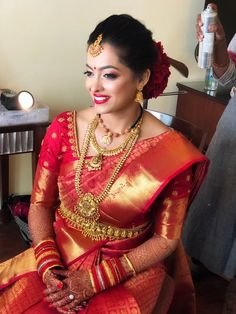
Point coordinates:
[(88, 73), (111, 76)]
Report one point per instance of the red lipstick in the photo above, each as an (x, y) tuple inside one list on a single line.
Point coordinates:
[(100, 99)]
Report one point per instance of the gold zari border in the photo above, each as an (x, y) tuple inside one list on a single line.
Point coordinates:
[(96, 230)]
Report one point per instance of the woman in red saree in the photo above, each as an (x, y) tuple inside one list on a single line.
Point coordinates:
[(110, 194)]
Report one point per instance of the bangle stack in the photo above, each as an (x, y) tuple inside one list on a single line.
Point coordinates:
[(47, 256), (108, 273)]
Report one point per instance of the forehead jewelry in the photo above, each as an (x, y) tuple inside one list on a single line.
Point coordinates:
[(96, 48)]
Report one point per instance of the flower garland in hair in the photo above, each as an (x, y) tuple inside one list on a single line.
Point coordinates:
[(159, 74)]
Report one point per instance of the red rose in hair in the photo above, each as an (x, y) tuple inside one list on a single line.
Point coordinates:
[(159, 75)]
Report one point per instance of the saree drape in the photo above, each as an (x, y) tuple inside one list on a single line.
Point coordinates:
[(150, 194)]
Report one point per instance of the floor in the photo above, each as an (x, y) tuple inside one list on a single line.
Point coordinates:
[(210, 289)]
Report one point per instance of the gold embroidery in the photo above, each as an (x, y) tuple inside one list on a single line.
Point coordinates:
[(54, 135), (61, 119), (64, 148), (75, 132), (174, 193)]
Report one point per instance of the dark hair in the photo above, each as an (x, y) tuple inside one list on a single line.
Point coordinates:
[(134, 41)]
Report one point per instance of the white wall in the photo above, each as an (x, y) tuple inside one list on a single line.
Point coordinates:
[(43, 43)]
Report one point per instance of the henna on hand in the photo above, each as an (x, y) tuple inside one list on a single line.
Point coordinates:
[(76, 289), (150, 252), (52, 282)]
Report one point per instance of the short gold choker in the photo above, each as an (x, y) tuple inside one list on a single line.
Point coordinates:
[(108, 137)]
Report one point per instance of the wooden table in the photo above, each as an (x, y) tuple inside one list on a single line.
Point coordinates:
[(199, 107), (38, 130)]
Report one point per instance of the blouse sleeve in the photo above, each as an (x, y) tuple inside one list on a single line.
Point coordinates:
[(45, 189), (171, 208)]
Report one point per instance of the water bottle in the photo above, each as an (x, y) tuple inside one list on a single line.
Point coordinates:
[(211, 83)]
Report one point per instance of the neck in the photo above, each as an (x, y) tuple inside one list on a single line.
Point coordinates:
[(121, 121)]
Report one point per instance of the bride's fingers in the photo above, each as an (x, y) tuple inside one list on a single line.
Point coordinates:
[(57, 296)]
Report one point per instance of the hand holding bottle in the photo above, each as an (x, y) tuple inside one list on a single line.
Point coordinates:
[(216, 28)]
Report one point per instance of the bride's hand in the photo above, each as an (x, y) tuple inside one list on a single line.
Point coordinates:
[(76, 290)]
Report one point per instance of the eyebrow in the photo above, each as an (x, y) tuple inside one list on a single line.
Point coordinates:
[(104, 67)]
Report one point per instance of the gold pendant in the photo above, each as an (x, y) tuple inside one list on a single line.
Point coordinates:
[(95, 163), (88, 207), (107, 139)]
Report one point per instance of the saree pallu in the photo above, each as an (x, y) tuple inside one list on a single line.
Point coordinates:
[(151, 193)]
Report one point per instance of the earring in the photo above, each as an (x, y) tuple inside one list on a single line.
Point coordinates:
[(139, 97)]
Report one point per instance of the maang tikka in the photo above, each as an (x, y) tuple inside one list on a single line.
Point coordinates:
[(96, 48)]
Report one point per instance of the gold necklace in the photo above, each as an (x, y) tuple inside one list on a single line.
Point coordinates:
[(88, 206), (108, 152), (108, 137), (95, 163)]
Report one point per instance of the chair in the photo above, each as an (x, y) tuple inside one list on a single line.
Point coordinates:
[(193, 133)]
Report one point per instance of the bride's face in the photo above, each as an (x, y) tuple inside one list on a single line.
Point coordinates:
[(111, 84)]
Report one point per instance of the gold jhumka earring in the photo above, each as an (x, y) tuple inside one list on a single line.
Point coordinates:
[(139, 97), (96, 48)]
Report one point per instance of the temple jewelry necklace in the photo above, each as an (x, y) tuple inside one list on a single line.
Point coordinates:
[(88, 206), (108, 137), (95, 163)]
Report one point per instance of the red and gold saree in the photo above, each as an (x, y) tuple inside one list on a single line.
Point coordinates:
[(150, 195)]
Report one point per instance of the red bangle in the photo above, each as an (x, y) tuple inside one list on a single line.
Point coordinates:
[(47, 256), (107, 274)]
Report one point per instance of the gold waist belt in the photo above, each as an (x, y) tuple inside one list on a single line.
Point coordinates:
[(96, 230)]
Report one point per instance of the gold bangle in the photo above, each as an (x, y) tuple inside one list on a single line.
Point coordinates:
[(38, 257), (109, 273), (92, 281), (130, 264)]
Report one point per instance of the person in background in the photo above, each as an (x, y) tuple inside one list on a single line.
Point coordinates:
[(110, 194), (209, 233)]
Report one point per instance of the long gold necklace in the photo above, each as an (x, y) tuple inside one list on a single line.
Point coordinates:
[(88, 206)]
